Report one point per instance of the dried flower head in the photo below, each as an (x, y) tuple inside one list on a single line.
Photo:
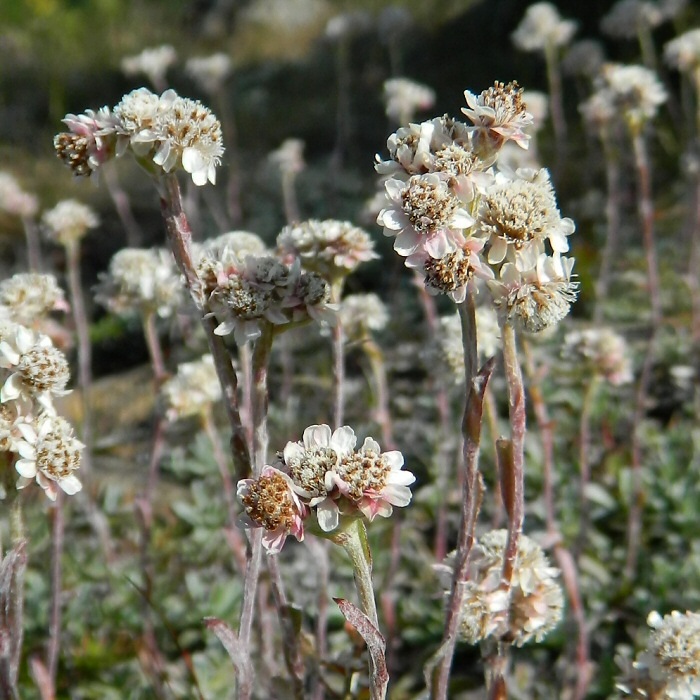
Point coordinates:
[(50, 454), (536, 298), (362, 313), (14, 200), (536, 598), (210, 71), (543, 27), (270, 502), (498, 114), (69, 221), (517, 215), (140, 281), (604, 351), (404, 97), (152, 62), (193, 389), (29, 296), (331, 248)]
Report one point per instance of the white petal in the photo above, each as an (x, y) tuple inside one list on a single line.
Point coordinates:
[(327, 515), (70, 484), (343, 440), (317, 436), (11, 389), (26, 468)]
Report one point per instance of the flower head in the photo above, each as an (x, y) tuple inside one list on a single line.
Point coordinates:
[(542, 26), (536, 599), (683, 52), (628, 17), (152, 62), (28, 296), (210, 71), (194, 388), (49, 454), (69, 221), (536, 298), (140, 280), (270, 502), (517, 215), (604, 351), (331, 248), (14, 200), (403, 97), (289, 157), (361, 313)]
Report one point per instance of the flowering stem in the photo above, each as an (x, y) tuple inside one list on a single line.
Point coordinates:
[(180, 238), (584, 466), (378, 367), (612, 217), (31, 235), (646, 214), (338, 358), (261, 361), (555, 103), (437, 671), (57, 540), (210, 429), (291, 208), (154, 349), (120, 199)]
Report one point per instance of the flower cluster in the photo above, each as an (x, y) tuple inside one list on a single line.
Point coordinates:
[(362, 313), (603, 351), (536, 601), (192, 390), (683, 52), (403, 97), (142, 281), (669, 667), (456, 219), (543, 27), (152, 62), (331, 248), (14, 200), (326, 476), (210, 71), (33, 372), (29, 297), (164, 133), (69, 221)]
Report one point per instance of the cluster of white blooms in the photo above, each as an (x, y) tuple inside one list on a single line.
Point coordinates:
[(32, 373), (603, 351), (210, 71), (29, 297), (152, 62), (69, 221), (361, 313), (403, 97), (285, 15), (289, 157), (14, 200), (633, 93), (457, 219), (669, 667), (536, 601), (331, 248), (326, 476), (193, 389), (543, 27), (627, 18), (166, 131), (683, 52), (142, 281)]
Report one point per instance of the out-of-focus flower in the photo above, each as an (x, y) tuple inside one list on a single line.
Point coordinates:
[(542, 27), (152, 62), (285, 15), (683, 52), (11, 416), (289, 157), (37, 370), (669, 667), (425, 216), (50, 454), (584, 58), (498, 114), (348, 24), (403, 97), (14, 200), (444, 354), (536, 298), (488, 332), (361, 313), (69, 221), (140, 281), (628, 17), (210, 71), (271, 503), (604, 351), (29, 296), (536, 598), (518, 214), (192, 390), (331, 248)]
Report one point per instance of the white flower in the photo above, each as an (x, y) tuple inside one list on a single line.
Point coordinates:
[(683, 52), (210, 71), (518, 214), (153, 62), (30, 296), (69, 221), (289, 157), (360, 313), (14, 200), (50, 454), (425, 215), (628, 17), (195, 387), (403, 97), (584, 58), (603, 350), (542, 26)]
